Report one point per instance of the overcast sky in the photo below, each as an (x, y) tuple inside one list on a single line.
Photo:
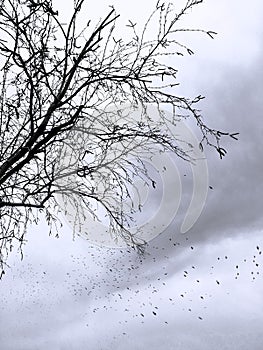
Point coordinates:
[(198, 290)]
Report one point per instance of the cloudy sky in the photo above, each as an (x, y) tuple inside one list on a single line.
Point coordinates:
[(198, 290)]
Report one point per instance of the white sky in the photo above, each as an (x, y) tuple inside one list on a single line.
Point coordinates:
[(68, 295)]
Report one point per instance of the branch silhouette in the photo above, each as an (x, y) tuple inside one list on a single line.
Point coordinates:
[(57, 82)]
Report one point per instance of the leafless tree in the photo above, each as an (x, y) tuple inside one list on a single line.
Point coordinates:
[(57, 83)]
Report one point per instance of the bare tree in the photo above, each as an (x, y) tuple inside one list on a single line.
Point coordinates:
[(57, 83)]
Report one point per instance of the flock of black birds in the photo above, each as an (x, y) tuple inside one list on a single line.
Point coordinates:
[(120, 286)]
